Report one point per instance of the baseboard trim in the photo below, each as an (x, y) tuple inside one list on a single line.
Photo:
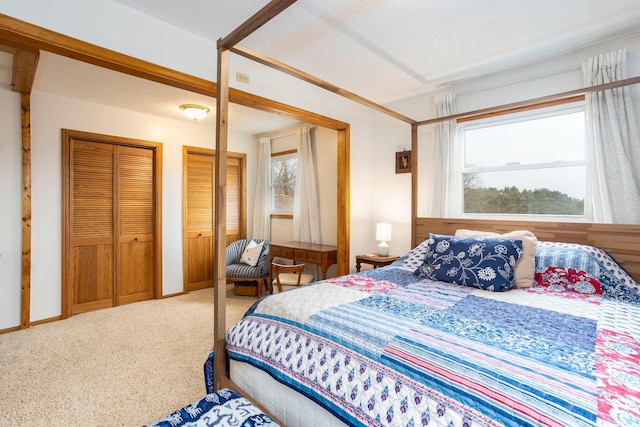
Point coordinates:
[(12, 329), (47, 320)]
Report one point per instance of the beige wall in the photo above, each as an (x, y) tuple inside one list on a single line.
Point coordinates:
[(49, 115)]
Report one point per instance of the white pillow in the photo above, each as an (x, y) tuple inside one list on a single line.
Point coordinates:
[(252, 253), (525, 268)]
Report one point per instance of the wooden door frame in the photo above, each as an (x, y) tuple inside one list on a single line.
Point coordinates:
[(67, 135), (186, 149)]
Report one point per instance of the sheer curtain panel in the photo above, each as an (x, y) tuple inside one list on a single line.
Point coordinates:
[(262, 199), (612, 143), (306, 213), (443, 180)]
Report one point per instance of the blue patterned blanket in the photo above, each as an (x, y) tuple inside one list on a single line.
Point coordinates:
[(387, 347), (223, 408)]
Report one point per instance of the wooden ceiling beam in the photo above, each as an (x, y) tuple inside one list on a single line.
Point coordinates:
[(261, 17), (274, 63), (270, 106), (19, 35), (25, 63)]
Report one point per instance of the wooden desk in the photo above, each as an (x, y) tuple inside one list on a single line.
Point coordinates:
[(375, 260), (323, 255)]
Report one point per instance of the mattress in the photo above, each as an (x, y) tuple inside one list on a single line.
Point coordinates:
[(289, 406)]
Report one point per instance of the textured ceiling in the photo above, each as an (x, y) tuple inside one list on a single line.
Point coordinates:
[(412, 46), (383, 50), (69, 78)]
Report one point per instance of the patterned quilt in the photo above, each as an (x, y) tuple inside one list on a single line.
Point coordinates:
[(223, 408), (386, 347)]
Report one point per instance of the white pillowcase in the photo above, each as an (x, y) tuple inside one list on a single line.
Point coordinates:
[(252, 253), (525, 268)]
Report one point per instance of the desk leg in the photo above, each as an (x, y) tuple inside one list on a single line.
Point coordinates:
[(270, 284), (358, 265)]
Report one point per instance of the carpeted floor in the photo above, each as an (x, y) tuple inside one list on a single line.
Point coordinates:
[(124, 366)]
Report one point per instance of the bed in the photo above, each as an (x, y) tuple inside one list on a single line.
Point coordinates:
[(398, 346)]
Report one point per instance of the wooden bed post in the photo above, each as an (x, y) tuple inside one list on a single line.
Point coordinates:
[(220, 232), (220, 375), (414, 182)]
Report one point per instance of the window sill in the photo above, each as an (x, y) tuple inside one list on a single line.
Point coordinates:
[(281, 216)]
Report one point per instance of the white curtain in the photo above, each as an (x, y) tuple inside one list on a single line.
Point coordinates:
[(612, 143), (262, 199), (306, 214), (443, 181)]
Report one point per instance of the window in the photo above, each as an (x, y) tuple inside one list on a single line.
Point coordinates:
[(532, 163), (283, 182)]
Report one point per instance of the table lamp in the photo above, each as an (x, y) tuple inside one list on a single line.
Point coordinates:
[(383, 233)]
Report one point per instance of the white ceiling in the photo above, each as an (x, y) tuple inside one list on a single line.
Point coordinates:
[(69, 78), (383, 50), (386, 50)]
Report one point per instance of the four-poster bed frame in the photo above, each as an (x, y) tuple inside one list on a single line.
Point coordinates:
[(24, 41), (622, 245)]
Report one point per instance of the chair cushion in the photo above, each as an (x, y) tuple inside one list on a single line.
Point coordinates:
[(291, 279), (243, 271), (251, 254)]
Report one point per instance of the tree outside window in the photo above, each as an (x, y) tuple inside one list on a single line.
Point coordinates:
[(283, 183), (531, 164)]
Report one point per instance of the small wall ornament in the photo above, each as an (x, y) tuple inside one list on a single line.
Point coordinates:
[(403, 162)]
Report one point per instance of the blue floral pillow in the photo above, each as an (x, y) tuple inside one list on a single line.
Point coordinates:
[(477, 262)]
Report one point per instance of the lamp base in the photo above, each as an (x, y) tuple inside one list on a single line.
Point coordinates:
[(383, 249)]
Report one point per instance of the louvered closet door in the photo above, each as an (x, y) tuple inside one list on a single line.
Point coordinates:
[(92, 249), (199, 221), (135, 190), (234, 198)]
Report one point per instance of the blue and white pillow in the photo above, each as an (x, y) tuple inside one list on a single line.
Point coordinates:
[(415, 258), (476, 262)]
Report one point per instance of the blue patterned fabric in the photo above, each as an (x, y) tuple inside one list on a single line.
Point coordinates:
[(388, 348), (480, 263), (597, 264), (224, 408)]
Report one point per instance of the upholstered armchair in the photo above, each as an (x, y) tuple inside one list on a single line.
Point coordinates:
[(238, 271)]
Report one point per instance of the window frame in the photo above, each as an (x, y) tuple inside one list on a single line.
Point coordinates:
[(522, 115)]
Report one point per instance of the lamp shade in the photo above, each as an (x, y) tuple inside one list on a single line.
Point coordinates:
[(194, 111), (383, 231)]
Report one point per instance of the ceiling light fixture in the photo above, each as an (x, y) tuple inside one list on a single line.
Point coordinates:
[(194, 111)]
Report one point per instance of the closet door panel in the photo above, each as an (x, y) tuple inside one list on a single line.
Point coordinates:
[(200, 188), (135, 225), (92, 224), (92, 277), (136, 271)]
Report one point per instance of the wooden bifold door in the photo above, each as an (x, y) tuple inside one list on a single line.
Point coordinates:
[(198, 211), (111, 217)]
